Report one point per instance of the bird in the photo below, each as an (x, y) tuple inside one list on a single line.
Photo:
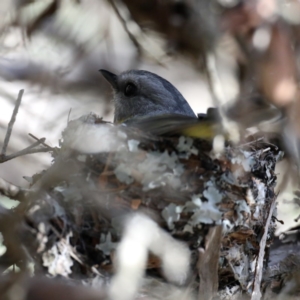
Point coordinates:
[(146, 100)]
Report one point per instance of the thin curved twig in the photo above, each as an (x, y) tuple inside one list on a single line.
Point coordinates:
[(12, 122)]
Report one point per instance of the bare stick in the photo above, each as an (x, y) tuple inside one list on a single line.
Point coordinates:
[(41, 140), (256, 294), (11, 122), (141, 51), (37, 143), (69, 115), (219, 96), (25, 151), (208, 264), (123, 22)]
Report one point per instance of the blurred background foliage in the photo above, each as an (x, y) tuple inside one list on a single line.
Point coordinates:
[(234, 52)]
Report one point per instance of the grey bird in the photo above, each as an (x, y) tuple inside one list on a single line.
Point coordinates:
[(139, 93), (153, 104), (150, 102)]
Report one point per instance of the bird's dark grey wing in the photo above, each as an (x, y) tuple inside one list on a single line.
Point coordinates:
[(167, 124)]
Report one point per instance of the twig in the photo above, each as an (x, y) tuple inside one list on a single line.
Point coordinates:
[(138, 46), (256, 294), (124, 24), (216, 88), (69, 115), (37, 143), (208, 264), (42, 141), (297, 219), (28, 150), (25, 151), (11, 122), (252, 142)]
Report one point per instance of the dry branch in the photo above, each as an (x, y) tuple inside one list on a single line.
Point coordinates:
[(11, 123), (28, 150), (256, 294), (208, 264)]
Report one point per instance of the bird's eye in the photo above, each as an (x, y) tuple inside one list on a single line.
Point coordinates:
[(130, 89)]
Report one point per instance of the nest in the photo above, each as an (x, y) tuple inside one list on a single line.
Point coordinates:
[(103, 173)]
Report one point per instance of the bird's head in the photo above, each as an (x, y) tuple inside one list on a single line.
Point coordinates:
[(139, 94)]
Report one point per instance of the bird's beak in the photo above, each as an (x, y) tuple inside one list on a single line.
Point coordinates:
[(111, 78)]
